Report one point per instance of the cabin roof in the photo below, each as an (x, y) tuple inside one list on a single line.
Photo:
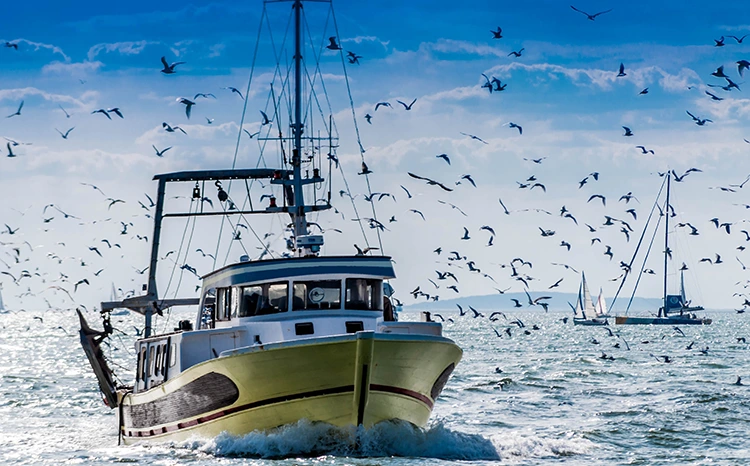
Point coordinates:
[(234, 174), (264, 270)]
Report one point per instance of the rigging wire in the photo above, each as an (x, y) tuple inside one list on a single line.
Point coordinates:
[(242, 122), (332, 125), (640, 240), (356, 130), (179, 251), (683, 245), (643, 265)]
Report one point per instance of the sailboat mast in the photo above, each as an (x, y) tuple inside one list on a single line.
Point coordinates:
[(666, 244), (300, 222)]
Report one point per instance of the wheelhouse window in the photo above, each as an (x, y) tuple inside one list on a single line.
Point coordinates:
[(223, 303), (264, 299), (142, 363), (316, 295), (208, 313), (151, 360), (364, 294)]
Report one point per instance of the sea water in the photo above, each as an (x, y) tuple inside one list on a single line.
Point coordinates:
[(546, 397)]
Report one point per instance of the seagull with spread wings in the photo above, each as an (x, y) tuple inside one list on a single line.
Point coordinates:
[(169, 68), (430, 182), (18, 112), (407, 107), (475, 137), (590, 17)]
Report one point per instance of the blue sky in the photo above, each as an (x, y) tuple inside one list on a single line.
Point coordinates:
[(563, 91)]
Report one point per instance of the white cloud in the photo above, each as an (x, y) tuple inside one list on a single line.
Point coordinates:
[(462, 46), (604, 79), (179, 48), (726, 109), (85, 101), (194, 132), (124, 48), (216, 50), (74, 69), (40, 45), (361, 39), (458, 93)]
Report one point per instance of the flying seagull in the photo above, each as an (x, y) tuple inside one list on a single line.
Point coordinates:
[(265, 121), (169, 69), (188, 105), (116, 111), (590, 17), (475, 137), (235, 90), (171, 129), (622, 72), (332, 44), (407, 107), (103, 112), (65, 135), (513, 125), (430, 182), (160, 153), (18, 112)]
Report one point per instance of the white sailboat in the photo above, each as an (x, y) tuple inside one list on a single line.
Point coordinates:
[(676, 309), (585, 313), (600, 308)]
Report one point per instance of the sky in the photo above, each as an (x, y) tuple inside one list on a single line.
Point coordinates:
[(563, 91)]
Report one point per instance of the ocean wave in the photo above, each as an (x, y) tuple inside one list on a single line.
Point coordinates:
[(516, 444), (388, 439), (308, 439)]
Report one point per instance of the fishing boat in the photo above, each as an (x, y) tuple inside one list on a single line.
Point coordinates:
[(676, 309), (585, 312), (276, 340)]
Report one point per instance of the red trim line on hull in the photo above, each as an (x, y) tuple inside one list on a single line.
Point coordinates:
[(257, 404), (403, 391)]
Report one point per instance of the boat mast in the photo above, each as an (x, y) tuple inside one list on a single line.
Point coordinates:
[(151, 293), (666, 245), (300, 222)]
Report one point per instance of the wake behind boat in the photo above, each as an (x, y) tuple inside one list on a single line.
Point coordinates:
[(278, 340), (676, 309)]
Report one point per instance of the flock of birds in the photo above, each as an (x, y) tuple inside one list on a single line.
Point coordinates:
[(619, 216)]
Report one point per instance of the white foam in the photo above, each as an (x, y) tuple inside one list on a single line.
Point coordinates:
[(386, 439), (517, 444)]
